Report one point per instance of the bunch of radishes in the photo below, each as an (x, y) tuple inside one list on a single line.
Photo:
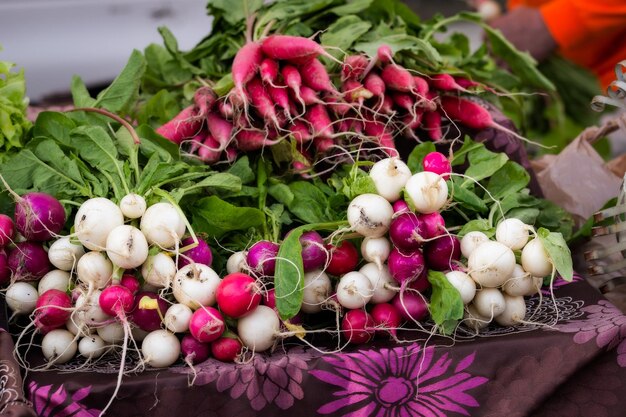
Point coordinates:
[(283, 91)]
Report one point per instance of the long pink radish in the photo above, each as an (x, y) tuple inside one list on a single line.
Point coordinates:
[(261, 100), (384, 55), (309, 96), (204, 98), (398, 78), (252, 140), (185, 125), (269, 71), (320, 121), (353, 66), (378, 130), (280, 96), (208, 152), (220, 129), (374, 83), (432, 125), (323, 145), (314, 75), (421, 86), (446, 82), (354, 92), (245, 66), (292, 78), (285, 48), (225, 109), (300, 131), (338, 106)]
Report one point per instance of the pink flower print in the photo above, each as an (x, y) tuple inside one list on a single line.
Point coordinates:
[(58, 403), (398, 382)]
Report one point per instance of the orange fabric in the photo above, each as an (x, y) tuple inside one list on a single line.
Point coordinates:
[(591, 33)]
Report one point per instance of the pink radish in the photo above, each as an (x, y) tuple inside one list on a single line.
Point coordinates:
[(204, 98), (353, 66), (209, 152), (432, 125), (252, 140), (221, 130), (269, 71), (406, 231), (5, 272), (293, 79), (116, 300), (300, 131), (315, 76), (261, 100), (406, 267), (269, 298), (375, 84), (434, 225), (7, 230), (309, 96), (438, 163), (28, 261), (354, 92), (343, 258), (184, 125), (384, 54), (398, 78), (445, 82), (323, 145), (53, 309), (261, 257), (378, 130), (386, 318), (206, 324), (131, 282), (226, 349), (194, 351), (238, 294), (421, 86), (285, 48), (280, 96), (39, 216), (320, 121), (411, 305), (245, 66), (225, 109), (386, 106), (357, 326)]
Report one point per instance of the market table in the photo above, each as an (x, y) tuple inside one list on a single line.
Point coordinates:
[(575, 366)]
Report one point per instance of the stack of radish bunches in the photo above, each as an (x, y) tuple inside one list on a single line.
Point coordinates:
[(282, 90)]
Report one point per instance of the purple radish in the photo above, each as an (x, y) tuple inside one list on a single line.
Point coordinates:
[(145, 314), (406, 267), (28, 261), (407, 231), (411, 305), (442, 252), (261, 257), (39, 216), (194, 351), (201, 254), (7, 230)]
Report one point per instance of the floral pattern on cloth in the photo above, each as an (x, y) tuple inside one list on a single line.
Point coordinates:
[(265, 379), (48, 402), (605, 323), (558, 283), (405, 381)]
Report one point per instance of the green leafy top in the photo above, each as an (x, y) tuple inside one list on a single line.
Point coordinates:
[(14, 125)]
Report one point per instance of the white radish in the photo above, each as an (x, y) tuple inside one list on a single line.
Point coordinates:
[(127, 247), (59, 346), (520, 283), (112, 333), (535, 259), (64, 254), (133, 206), (463, 283), (354, 290), (370, 215), (383, 283), (491, 264), (55, 279), (317, 288), (163, 225), (390, 175), (471, 241), (160, 349), (473, 319), (514, 311), (21, 297), (94, 270), (77, 327), (88, 309), (259, 329), (195, 285), (91, 346), (537, 284), (94, 220), (427, 191), (159, 270), (489, 302), (237, 262), (138, 334), (177, 318), (376, 249), (512, 233)]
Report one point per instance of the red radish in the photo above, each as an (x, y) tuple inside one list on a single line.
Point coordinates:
[(400, 206), (39, 216), (116, 300), (261, 257), (421, 86), (340, 108), (269, 71), (206, 324), (309, 96), (28, 261), (253, 140), (413, 121), (5, 272), (238, 294), (343, 258), (315, 76), (445, 82), (438, 163), (7, 230), (353, 66), (357, 326), (196, 141), (225, 109), (378, 130), (406, 231), (209, 152), (432, 125), (200, 254), (280, 96), (300, 131), (293, 79), (443, 252), (221, 130), (194, 351), (184, 125), (269, 298), (384, 54), (53, 309), (323, 145), (406, 267), (434, 225), (405, 102), (386, 317), (148, 310), (374, 83), (320, 121), (204, 98), (386, 106), (411, 305), (245, 65), (285, 48), (131, 282), (226, 349), (398, 78), (261, 100)]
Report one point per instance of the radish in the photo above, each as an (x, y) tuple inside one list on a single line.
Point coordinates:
[(292, 48), (406, 232), (77, 327), (471, 241), (244, 67), (293, 80), (314, 254), (343, 258), (390, 175), (59, 346), (464, 284), (5, 272), (116, 300), (438, 163), (206, 324), (428, 192), (406, 267), (237, 295), (94, 220), (159, 270), (520, 283), (535, 259), (432, 125), (91, 347), (314, 75), (7, 230), (28, 261), (375, 84), (160, 349), (383, 283), (514, 311), (474, 320), (421, 283), (94, 270), (317, 288), (261, 100), (139, 334), (259, 329), (445, 82), (300, 132), (112, 333), (148, 310), (195, 286), (21, 297), (512, 233), (237, 262), (488, 9), (88, 311), (269, 71), (353, 66), (386, 317), (354, 290), (133, 206), (491, 264), (443, 252), (226, 349), (357, 326), (370, 215), (309, 96), (261, 257), (163, 225), (269, 298), (53, 309), (398, 78), (177, 318), (64, 254), (433, 225), (39, 216), (400, 207), (489, 302), (320, 121), (127, 247), (411, 305), (194, 351), (280, 96), (185, 124)]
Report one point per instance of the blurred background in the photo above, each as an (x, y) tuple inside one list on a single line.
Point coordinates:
[(55, 39)]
